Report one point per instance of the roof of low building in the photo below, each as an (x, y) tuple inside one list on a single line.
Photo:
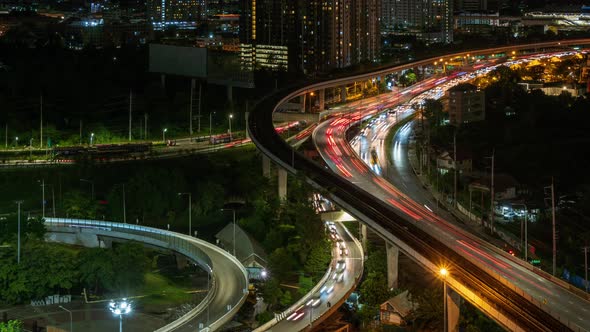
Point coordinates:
[(246, 246)]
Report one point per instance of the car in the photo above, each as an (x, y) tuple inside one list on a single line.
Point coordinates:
[(315, 300), (328, 287), (338, 276), (340, 265), (343, 252), (297, 314)]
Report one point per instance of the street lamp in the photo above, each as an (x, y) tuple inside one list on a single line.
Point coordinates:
[(91, 187), (124, 205), (230, 117), (120, 308), (234, 236), (210, 122), (43, 195), (91, 138), (71, 321), (16, 141), (443, 273), (18, 203), (164, 134), (189, 211)]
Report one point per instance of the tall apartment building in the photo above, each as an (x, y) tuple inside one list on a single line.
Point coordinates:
[(318, 35), (427, 19), (180, 13), (466, 104), (471, 5)]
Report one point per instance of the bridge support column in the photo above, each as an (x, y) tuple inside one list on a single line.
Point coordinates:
[(363, 235), (322, 103), (282, 175), (392, 265), (453, 303), (343, 94), (266, 166)]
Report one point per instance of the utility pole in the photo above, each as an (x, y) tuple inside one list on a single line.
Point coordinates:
[(43, 196), (586, 265), (553, 223), (130, 110), (145, 119), (190, 112), (18, 203), (41, 122), (199, 116), (456, 165), (80, 131), (492, 193), (6, 137)]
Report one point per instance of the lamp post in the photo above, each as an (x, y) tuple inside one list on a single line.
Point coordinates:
[(164, 134), (43, 195), (18, 203), (234, 236), (210, 122), (31, 148), (120, 308), (190, 195), (91, 138), (71, 321), (443, 273), (526, 246), (16, 142), (91, 187), (230, 117), (124, 205)]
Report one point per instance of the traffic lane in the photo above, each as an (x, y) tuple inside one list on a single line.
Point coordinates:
[(539, 288), (353, 269), (230, 286)]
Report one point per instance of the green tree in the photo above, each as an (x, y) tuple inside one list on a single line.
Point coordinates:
[(11, 326), (79, 205), (433, 111), (374, 289), (305, 284), (271, 292), (429, 302), (95, 266), (318, 258), (130, 264), (286, 299)]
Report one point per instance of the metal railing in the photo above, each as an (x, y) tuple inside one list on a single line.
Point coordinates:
[(186, 245)]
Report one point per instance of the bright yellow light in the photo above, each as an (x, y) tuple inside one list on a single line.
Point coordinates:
[(513, 52), (443, 272), (311, 94)]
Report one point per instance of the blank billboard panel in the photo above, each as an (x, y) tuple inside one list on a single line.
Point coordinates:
[(178, 60)]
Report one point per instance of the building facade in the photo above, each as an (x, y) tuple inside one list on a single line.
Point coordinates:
[(430, 20), (465, 104), (179, 13), (318, 35)]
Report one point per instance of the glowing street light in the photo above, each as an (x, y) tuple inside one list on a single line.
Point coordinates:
[(91, 138), (444, 273), (164, 134), (231, 116), (120, 308)]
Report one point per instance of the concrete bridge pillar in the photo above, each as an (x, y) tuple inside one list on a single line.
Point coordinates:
[(363, 235), (322, 101), (266, 166), (282, 174), (453, 304), (392, 265), (343, 94)]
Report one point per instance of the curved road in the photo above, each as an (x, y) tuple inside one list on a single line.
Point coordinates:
[(474, 266), (229, 289)]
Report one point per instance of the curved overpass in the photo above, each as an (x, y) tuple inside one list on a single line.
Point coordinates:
[(228, 289), (494, 294)]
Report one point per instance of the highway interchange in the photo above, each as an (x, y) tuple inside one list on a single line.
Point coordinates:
[(331, 141)]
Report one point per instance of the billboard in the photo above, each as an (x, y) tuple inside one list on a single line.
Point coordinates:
[(178, 60)]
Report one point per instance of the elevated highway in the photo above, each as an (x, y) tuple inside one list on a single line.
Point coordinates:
[(228, 288), (483, 284)]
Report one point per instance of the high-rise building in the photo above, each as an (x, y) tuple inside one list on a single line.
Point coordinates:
[(471, 5), (319, 34), (430, 20), (179, 13)]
